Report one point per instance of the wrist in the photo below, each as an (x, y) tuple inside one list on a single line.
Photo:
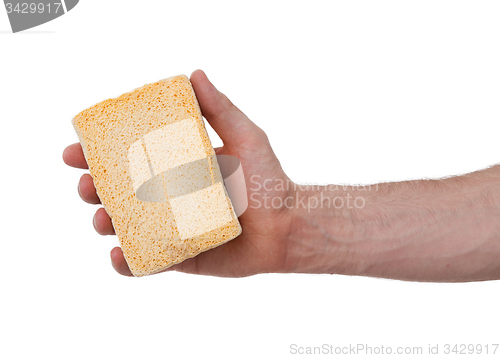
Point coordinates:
[(328, 231)]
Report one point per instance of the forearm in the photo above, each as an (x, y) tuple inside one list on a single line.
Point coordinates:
[(425, 230)]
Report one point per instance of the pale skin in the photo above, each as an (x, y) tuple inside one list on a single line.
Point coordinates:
[(445, 230)]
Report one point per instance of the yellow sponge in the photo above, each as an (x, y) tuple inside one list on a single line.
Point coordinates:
[(156, 174)]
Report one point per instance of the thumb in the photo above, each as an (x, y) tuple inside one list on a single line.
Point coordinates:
[(224, 117)]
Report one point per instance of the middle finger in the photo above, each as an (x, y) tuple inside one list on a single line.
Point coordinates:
[(87, 191)]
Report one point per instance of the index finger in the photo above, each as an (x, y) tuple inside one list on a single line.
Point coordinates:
[(73, 156)]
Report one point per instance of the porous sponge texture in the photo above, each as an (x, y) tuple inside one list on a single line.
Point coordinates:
[(156, 174)]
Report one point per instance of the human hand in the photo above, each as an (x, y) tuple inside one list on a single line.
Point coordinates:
[(422, 230), (263, 245)]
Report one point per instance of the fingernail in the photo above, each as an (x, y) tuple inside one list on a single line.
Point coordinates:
[(95, 224)]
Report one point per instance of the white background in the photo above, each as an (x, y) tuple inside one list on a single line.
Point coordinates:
[(348, 92)]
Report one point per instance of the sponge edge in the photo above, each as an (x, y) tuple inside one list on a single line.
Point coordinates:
[(157, 175)]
